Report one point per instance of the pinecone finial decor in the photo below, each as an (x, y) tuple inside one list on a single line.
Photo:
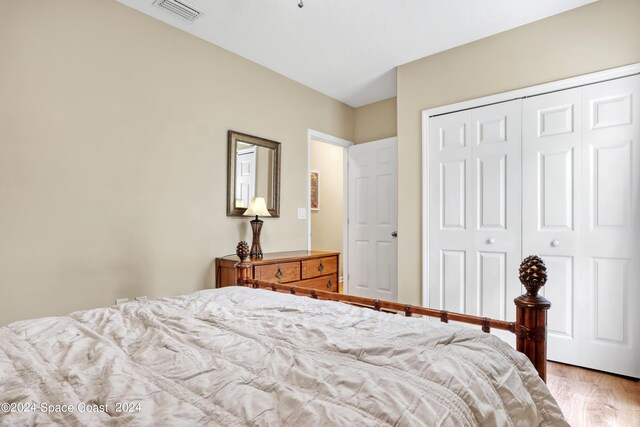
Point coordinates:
[(533, 274), (242, 250)]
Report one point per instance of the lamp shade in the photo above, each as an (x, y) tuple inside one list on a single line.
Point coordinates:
[(257, 207)]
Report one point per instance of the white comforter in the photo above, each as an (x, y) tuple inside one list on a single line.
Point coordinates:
[(239, 356)]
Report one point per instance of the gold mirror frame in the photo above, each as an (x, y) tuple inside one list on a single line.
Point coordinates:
[(233, 138)]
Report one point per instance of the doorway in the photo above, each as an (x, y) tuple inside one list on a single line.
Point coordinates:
[(327, 197)]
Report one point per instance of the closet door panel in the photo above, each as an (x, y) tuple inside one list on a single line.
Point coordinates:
[(492, 193), (492, 282), (450, 154), (452, 270), (609, 167), (611, 209), (561, 320), (552, 140), (496, 218), (555, 185), (475, 210), (453, 191)]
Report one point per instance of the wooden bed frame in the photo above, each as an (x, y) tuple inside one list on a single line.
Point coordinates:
[(530, 326)]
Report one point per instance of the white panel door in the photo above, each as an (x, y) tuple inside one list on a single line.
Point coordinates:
[(245, 176), (610, 291), (450, 211), (551, 168), (373, 220), (474, 210), (496, 217)]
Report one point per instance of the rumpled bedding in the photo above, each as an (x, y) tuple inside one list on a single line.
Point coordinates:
[(238, 356)]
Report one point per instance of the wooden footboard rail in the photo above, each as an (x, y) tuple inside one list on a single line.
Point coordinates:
[(530, 326)]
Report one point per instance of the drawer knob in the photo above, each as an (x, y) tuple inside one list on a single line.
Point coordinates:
[(279, 274), (320, 267), (329, 284)]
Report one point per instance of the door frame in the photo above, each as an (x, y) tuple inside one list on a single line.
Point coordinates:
[(582, 80), (314, 135)]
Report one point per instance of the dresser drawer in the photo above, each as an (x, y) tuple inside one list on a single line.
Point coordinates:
[(319, 267), (314, 268), (324, 283), (280, 273)]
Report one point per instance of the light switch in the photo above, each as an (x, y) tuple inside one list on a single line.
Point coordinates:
[(302, 213)]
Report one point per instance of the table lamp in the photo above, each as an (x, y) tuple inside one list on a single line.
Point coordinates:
[(257, 207)]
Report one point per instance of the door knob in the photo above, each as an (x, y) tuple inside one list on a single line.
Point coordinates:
[(491, 241), (555, 243), (394, 234)]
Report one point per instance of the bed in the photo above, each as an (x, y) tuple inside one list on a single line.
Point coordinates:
[(243, 356)]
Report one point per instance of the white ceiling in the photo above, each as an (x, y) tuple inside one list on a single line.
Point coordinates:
[(348, 49)]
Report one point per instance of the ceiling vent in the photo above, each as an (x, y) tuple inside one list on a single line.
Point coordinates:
[(179, 8)]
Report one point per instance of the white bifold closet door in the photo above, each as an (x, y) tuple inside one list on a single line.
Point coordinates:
[(551, 200), (475, 215), (610, 294), (581, 197), (557, 175)]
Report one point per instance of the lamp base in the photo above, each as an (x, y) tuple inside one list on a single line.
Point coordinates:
[(256, 249)]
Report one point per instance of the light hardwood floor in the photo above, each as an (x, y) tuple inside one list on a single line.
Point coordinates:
[(593, 398)]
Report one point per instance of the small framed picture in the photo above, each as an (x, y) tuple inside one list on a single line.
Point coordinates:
[(315, 194)]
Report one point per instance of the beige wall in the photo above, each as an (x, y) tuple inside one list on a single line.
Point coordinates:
[(327, 222), (599, 36), (376, 121), (113, 141), (113, 144)]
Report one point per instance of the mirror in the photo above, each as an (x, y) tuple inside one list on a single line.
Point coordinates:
[(253, 171)]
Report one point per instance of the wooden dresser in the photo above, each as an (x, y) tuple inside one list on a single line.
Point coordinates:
[(312, 269)]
